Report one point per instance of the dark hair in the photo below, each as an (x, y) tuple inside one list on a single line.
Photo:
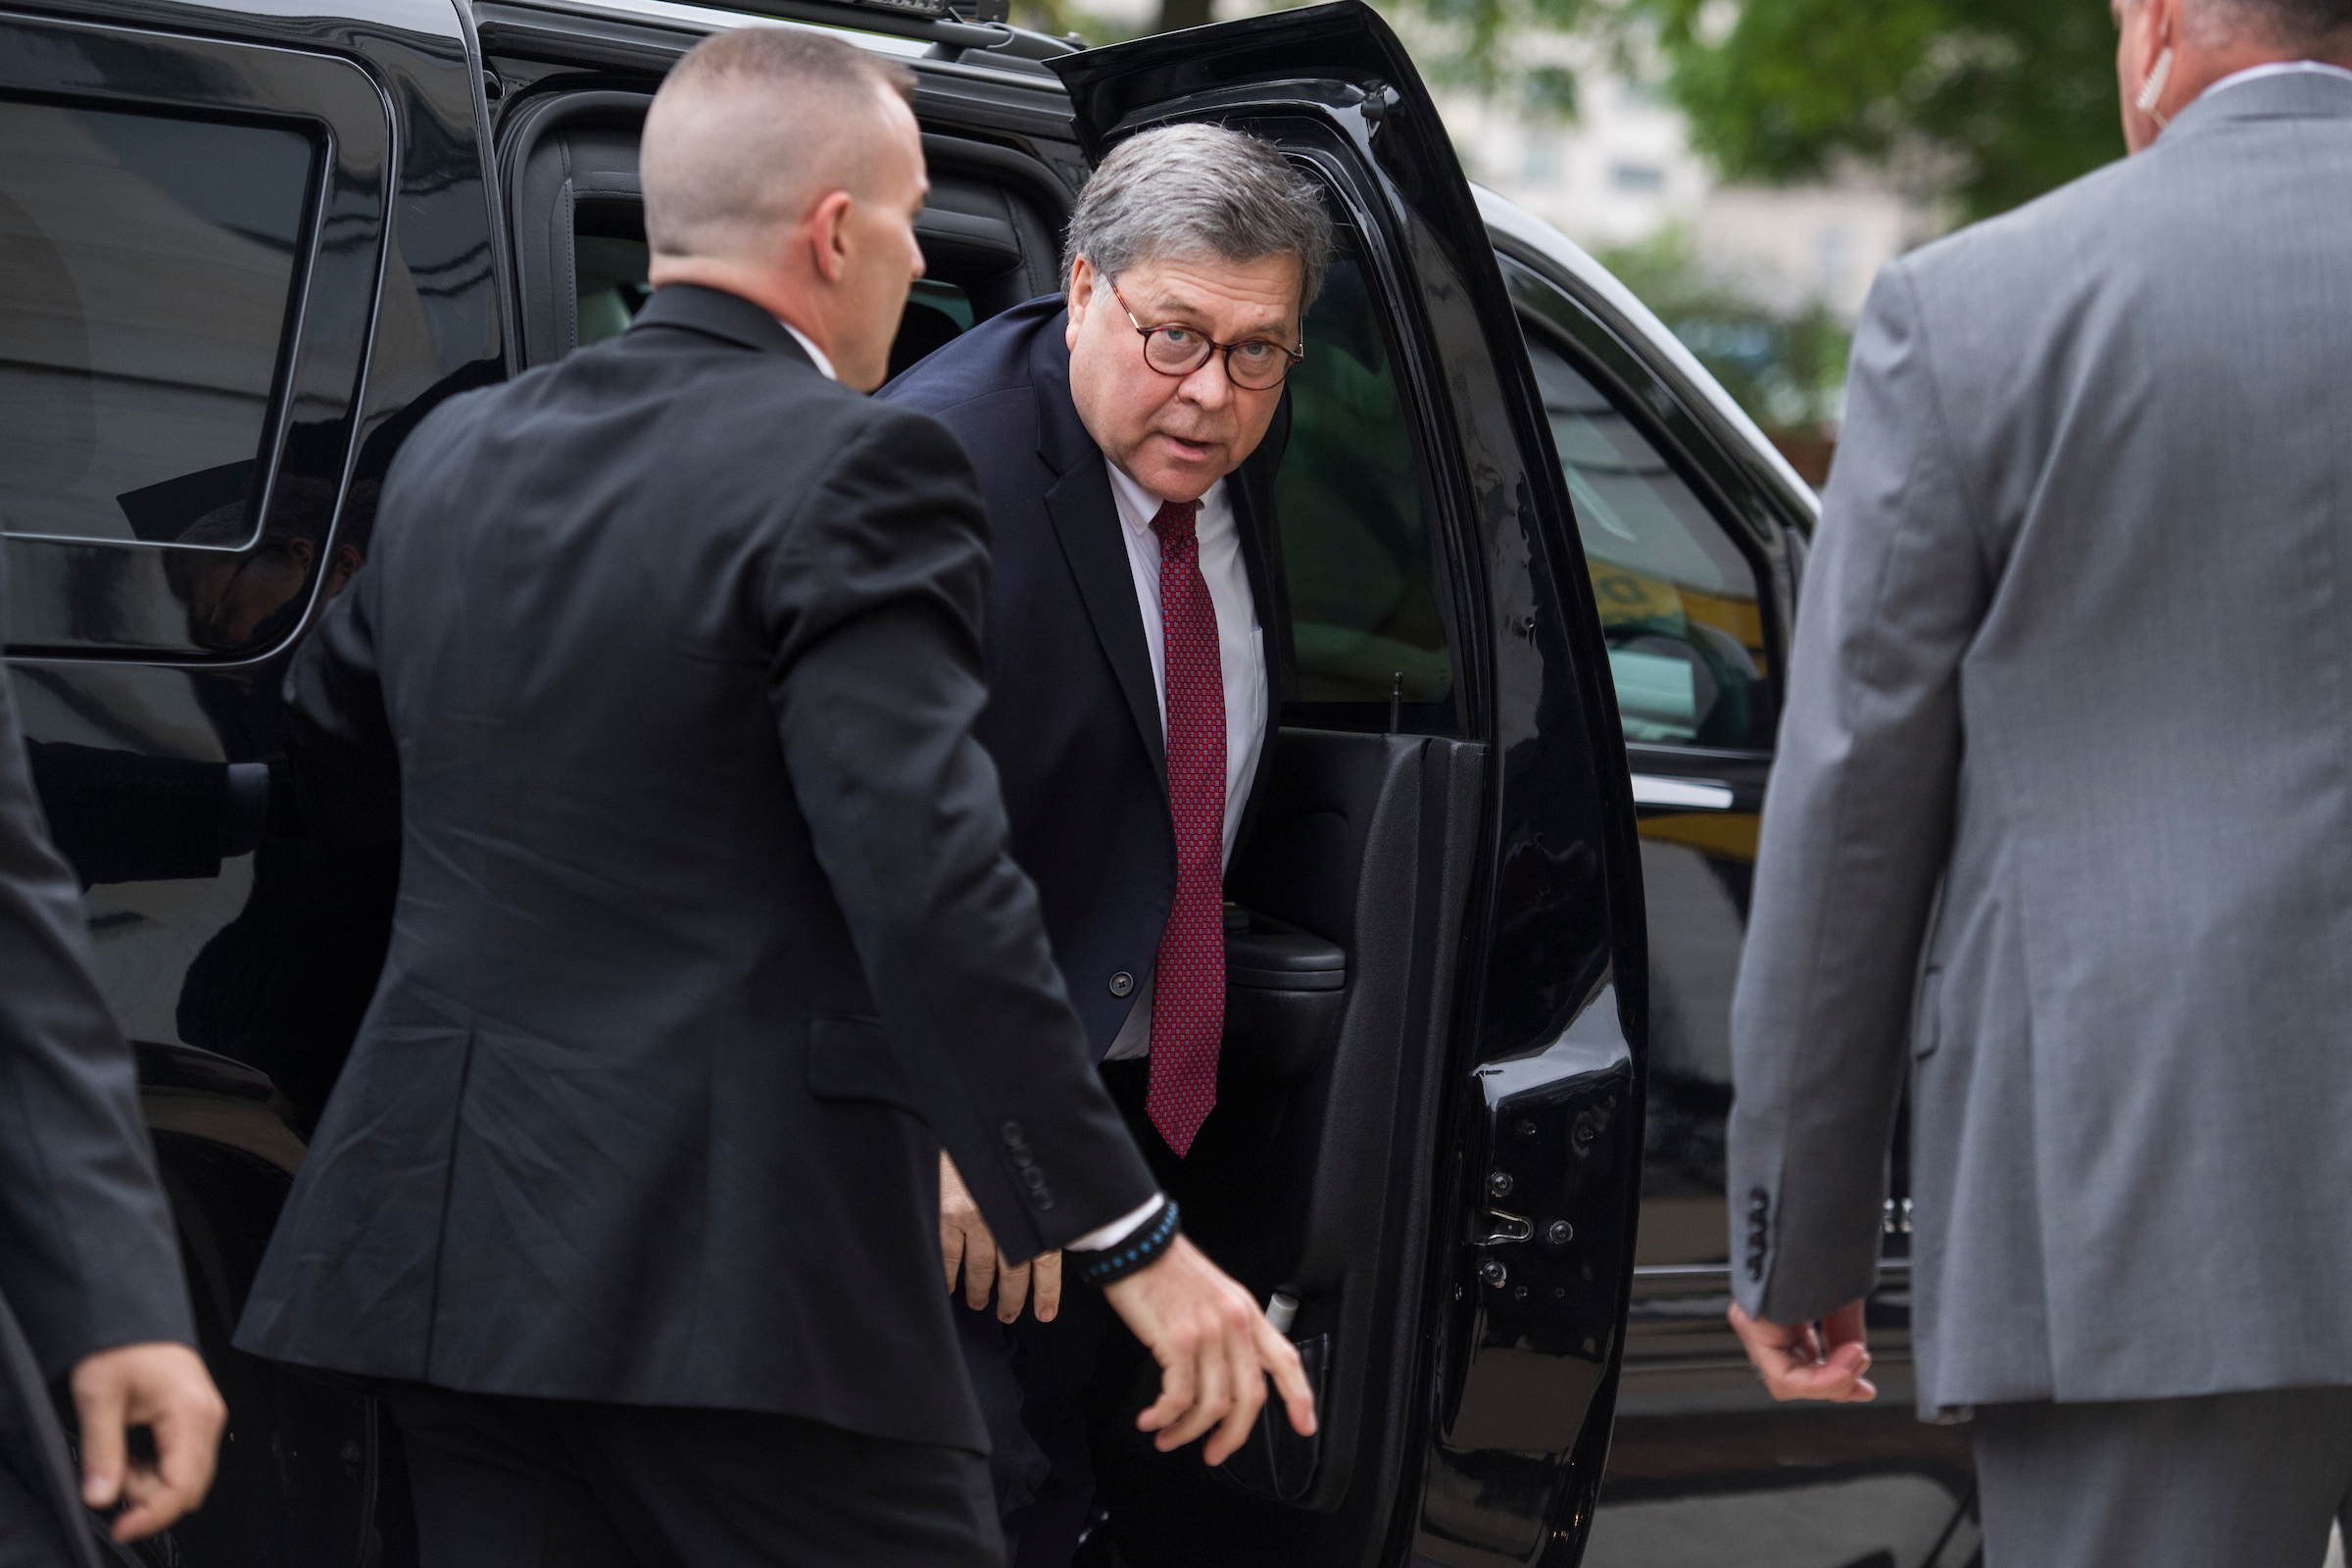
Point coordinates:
[(301, 509), (1195, 191)]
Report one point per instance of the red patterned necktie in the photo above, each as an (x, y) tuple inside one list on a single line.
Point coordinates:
[(1188, 1002)]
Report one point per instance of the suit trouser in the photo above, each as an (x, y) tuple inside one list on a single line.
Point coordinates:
[(502, 1481), (41, 1518), (1032, 1379), (2227, 1481), (29, 1533)]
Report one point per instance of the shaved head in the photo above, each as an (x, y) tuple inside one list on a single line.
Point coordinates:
[(753, 127), (2293, 24)]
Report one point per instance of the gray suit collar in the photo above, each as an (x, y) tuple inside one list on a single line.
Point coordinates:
[(2305, 95)]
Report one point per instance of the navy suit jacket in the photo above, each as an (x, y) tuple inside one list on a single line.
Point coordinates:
[(1072, 719)]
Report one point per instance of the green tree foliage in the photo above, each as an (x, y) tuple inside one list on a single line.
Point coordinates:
[(1476, 44), (1479, 44), (2004, 99)]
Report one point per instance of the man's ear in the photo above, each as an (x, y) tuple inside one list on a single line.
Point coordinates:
[(828, 235), (302, 551), (1082, 297), (347, 560)]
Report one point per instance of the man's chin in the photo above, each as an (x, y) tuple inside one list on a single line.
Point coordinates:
[(1176, 480)]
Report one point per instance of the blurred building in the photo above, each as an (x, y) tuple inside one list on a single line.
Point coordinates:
[(1623, 170)]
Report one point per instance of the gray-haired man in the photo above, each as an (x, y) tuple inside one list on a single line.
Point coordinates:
[(1121, 437), (2072, 650)]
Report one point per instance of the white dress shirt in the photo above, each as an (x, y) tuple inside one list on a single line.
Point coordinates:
[(816, 356), (1241, 656)]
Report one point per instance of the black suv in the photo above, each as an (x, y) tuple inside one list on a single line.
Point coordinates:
[(1523, 538)]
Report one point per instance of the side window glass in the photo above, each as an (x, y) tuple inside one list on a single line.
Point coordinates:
[(936, 313), (1679, 603), (610, 263), (1358, 554), (151, 266)]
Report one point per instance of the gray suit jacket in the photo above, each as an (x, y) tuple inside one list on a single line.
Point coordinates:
[(2076, 646)]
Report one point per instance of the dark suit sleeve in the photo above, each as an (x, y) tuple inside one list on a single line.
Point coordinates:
[(346, 763), (88, 1259), (874, 606)]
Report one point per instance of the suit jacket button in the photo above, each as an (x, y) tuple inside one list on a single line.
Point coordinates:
[(1122, 984)]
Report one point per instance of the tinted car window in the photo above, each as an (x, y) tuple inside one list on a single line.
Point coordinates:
[(1357, 554), (1678, 599), (610, 285), (147, 273), (609, 262)]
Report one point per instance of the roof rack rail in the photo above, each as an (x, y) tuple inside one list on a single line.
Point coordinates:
[(959, 23), (948, 31)]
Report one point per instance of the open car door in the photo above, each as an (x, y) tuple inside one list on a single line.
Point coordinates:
[(1435, 971)]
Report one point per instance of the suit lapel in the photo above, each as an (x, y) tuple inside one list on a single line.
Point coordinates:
[(1086, 519)]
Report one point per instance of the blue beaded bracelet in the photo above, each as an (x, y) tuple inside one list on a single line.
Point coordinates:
[(1142, 1246)]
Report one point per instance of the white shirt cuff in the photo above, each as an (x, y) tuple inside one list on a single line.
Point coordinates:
[(1118, 1230)]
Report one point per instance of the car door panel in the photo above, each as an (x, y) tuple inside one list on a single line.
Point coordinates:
[(1362, 841), (1496, 1455), (327, 324), (1704, 1464)]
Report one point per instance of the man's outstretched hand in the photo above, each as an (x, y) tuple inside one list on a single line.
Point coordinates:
[(1215, 1351), (164, 1388), (1809, 1362), (967, 1243)]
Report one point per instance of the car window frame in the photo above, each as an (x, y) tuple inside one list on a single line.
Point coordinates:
[(1423, 423), (543, 298), (323, 352), (1664, 420)]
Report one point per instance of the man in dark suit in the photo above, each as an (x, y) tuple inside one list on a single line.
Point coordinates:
[(90, 1283), (1120, 434), (707, 939)]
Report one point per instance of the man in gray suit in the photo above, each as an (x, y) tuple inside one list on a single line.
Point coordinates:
[(90, 1283), (2064, 800)]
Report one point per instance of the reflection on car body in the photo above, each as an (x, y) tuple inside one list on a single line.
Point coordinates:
[(1693, 531)]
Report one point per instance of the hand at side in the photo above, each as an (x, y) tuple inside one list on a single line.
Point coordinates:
[(967, 1243), (1805, 1361), (164, 1388), (1216, 1350)]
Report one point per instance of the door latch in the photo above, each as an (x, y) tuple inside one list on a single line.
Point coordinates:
[(1506, 1228)]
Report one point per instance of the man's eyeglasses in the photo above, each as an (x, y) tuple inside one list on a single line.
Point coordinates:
[(1254, 364)]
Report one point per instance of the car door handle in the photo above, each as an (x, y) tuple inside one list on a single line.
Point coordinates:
[(1685, 794)]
